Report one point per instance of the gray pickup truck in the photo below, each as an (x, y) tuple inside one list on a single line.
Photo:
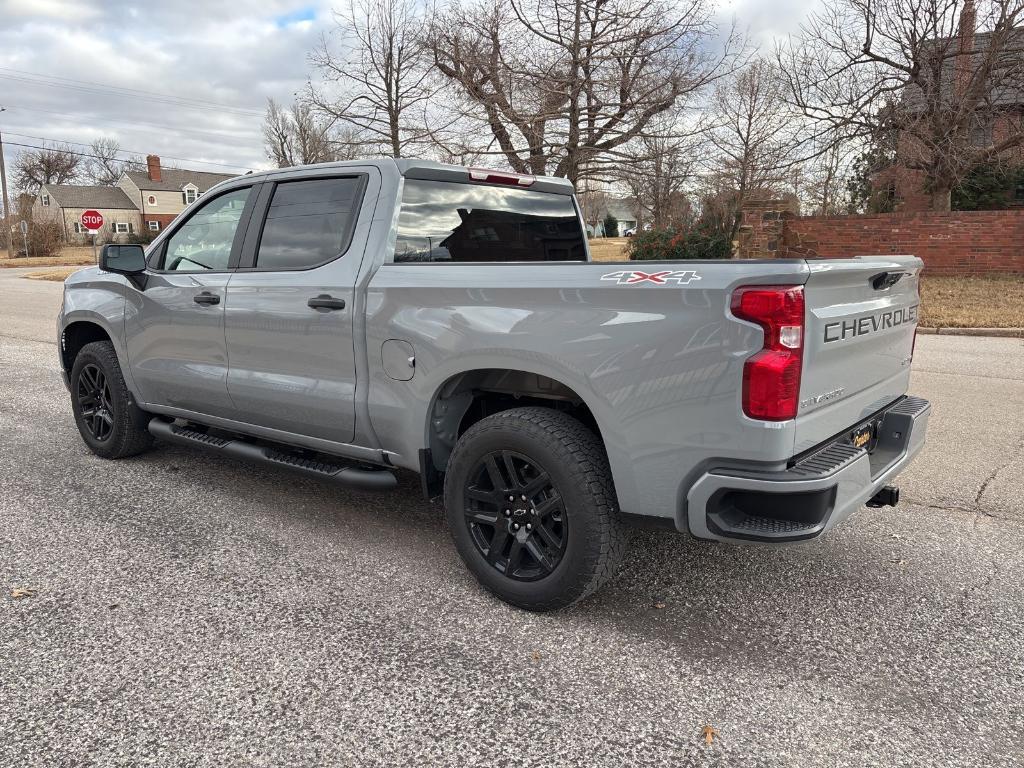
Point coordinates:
[(348, 319)]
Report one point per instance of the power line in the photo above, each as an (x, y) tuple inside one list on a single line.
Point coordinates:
[(123, 151), (103, 89), (119, 123), (214, 104), (99, 157)]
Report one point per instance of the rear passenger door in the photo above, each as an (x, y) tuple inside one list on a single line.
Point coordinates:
[(290, 307)]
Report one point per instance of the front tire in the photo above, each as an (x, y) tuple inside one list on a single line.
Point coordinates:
[(531, 506), (106, 415)]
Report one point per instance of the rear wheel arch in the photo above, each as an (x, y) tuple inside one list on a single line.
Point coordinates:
[(467, 397)]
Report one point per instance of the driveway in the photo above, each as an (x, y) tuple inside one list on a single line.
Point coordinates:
[(194, 611)]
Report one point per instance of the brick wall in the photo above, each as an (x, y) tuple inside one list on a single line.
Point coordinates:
[(960, 242)]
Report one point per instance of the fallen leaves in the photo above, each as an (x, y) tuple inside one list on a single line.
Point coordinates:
[(535, 655), (19, 593), (659, 604), (709, 732)]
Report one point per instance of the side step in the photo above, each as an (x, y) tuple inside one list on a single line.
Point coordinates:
[(237, 448)]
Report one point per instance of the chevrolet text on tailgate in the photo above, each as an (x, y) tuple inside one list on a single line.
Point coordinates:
[(350, 319)]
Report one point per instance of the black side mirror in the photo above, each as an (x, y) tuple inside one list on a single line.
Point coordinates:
[(123, 259)]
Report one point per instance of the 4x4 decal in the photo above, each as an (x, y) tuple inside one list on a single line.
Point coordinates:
[(681, 277)]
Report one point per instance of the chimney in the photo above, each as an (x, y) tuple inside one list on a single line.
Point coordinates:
[(153, 166), (964, 68)]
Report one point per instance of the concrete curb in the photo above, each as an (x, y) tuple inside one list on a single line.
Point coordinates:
[(1015, 333)]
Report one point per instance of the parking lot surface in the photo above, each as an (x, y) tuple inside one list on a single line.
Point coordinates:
[(195, 611)]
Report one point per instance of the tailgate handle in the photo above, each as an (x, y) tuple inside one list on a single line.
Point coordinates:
[(884, 280)]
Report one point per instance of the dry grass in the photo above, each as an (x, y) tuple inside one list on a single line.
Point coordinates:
[(52, 275), (949, 301), (609, 248), (71, 256)]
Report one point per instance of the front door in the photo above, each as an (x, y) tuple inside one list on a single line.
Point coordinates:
[(174, 326), (290, 309)]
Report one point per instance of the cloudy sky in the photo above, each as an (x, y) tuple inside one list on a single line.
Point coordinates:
[(187, 79)]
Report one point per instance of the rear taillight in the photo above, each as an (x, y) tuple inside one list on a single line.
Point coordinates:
[(501, 177), (771, 377)]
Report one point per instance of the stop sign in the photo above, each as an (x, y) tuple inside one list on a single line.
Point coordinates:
[(92, 219)]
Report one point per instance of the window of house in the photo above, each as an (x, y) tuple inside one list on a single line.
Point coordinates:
[(205, 240), (443, 221), (122, 227), (154, 226), (189, 195), (980, 131), (151, 199), (45, 200), (308, 222), (79, 229)]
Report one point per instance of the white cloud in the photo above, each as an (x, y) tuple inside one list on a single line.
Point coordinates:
[(55, 9), (233, 54)]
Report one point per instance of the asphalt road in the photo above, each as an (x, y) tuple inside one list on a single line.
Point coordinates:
[(192, 611)]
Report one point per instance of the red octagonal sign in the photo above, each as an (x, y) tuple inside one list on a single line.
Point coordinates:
[(92, 219)]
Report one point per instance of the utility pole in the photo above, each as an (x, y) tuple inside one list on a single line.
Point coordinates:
[(6, 201)]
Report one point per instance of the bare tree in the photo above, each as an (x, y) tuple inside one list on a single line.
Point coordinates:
[(555, 84), (105, 165), (824, 180), (297, 136), (278, 135), (593, 202), (380, 86), (657, 169), (947, 76), (57, 164), (755, 137)]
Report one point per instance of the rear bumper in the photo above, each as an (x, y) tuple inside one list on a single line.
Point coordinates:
[(816, 493)]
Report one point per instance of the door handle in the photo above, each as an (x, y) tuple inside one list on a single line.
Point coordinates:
[(324, 301), (206, 298)]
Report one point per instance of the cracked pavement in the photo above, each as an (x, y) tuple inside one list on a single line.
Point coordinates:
[(195, 611)]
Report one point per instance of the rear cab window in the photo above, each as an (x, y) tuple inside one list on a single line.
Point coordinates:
[(451, 222)]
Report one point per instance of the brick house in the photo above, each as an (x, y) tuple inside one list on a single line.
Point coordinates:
[(160, 194), (906, 186), (140, 202), (65, 204)]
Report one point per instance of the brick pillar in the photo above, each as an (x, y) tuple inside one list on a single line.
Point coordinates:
[(761, 228)]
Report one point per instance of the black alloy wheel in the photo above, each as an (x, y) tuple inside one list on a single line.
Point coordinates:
[(109, 421), (94, 400), (515, 516), (532, 508)]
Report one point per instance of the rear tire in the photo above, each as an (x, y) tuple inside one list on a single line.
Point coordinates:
[(532, 508), (105, 412)]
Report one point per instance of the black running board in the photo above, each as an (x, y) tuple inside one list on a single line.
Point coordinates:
[(237, 448)]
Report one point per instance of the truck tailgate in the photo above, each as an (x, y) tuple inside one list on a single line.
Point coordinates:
[(861, 320)]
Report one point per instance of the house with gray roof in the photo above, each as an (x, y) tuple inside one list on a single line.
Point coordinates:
[(141, 201), (160, 194), (65, 204)]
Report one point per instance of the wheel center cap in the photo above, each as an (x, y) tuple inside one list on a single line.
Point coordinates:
[(520, 513)]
